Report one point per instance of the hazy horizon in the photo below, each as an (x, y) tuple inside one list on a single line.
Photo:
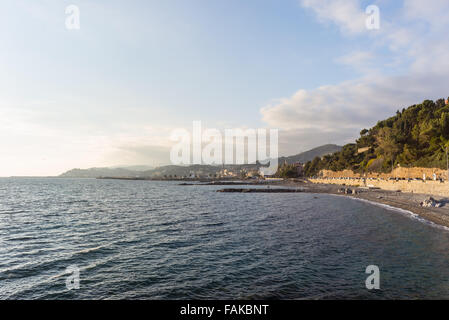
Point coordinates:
[(112, 91)]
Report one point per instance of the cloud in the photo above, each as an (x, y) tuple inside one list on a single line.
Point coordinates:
[(347, 14), (360, 60), (141, 153), (45, 143), (336, 113), (433, 13), (352, 104)]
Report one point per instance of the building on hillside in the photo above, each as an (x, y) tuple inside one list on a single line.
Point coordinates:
[(227, 173), (362, 150), (299, 168)]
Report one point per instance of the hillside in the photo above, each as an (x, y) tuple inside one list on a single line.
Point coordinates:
[(100, 172), (311, 154), (414, 137)]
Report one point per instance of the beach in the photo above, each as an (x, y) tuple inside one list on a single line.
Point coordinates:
[(401, 200), (410, 202)]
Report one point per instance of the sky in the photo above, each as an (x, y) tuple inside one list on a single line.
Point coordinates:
[(111, 92)]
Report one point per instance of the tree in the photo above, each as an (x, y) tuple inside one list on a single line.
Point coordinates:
[(388, 148), (414, 137), (287, 171)]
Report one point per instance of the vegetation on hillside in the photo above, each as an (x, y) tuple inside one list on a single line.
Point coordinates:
[(287, 171), (414, 137)]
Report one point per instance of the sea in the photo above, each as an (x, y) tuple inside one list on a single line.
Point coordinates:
[(123, 239)]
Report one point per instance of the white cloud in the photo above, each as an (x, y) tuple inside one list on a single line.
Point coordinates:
[(337, 112), (360, 60), (35, 143), (352, 104), (347, 14), (432, 12)]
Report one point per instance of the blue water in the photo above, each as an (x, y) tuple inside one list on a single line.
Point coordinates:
[(159, 240)]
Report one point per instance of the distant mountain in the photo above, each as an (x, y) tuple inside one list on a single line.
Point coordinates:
[(134, 168), (100, 172), (169, 170), (311, 154), (197, 169), (179, 171)]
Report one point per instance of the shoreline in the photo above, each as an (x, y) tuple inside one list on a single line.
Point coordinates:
[(392, 200), (409, 202), (407, 212)]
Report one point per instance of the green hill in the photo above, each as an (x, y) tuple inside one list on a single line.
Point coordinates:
[(414, 137)]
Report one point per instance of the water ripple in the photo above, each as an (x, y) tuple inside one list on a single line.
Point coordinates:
[(159, 240)]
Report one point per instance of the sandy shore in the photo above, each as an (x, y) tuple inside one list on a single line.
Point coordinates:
[(406, 201)]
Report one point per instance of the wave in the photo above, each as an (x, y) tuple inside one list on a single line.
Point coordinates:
[(404, 212), (12, 212)]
